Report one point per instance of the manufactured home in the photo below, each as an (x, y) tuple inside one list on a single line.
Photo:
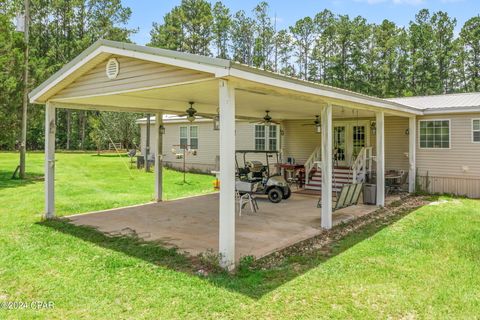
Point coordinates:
[(447, 147), (435, 140)]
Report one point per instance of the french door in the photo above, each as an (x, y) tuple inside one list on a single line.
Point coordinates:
[(349, 137)]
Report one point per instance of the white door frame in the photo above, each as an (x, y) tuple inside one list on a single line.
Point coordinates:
[(349, 124)]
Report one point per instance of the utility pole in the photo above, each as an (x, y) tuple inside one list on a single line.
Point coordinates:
[(23, 142)]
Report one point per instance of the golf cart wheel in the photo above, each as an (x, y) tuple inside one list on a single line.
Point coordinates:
[(275, 195), (287, 193)]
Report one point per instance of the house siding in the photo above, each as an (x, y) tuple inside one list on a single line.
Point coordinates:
[(396, 143), (206, 158), (134, 74), (455, 170)]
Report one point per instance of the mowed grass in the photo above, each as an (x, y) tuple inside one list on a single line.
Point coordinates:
[(425, 265)]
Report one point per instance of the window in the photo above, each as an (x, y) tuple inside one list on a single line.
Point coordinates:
[(194, 137), (272, 138), (266, 137), (435, 134), (476, 130), (189, 137), (183, 137)]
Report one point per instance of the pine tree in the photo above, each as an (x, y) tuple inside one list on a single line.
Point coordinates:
[(303, 33), (243, 38), (264, 37), (470, 35), (222, 21)]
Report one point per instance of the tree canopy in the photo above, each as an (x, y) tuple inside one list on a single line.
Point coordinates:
[(386, 60)]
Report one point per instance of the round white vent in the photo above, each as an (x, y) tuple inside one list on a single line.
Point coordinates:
[(112, 68)]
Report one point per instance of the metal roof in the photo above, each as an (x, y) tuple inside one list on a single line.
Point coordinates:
[(443, 102), (413, 105)]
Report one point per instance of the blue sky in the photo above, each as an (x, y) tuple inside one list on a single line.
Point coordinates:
[(400, 11)]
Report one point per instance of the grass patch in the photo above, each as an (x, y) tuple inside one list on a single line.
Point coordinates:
[(418, 263)]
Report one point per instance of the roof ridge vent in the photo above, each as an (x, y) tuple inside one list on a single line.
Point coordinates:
[(112, 68)]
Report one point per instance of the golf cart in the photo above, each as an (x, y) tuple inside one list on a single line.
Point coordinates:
[(254, 177)]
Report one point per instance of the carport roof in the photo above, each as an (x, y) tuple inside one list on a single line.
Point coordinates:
[(221, 68)]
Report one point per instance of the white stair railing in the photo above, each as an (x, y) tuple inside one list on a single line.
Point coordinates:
[(311, 162), (362, 165)]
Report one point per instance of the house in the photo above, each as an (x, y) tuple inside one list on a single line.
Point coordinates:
[(203, 154), (436, 135), (447, 153)]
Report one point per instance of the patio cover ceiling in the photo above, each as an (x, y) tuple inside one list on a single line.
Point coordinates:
[(256, 90)]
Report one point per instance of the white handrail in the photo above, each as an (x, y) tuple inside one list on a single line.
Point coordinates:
[(362, 165), (310, 163)]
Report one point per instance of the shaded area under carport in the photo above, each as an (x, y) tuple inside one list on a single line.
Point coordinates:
[(191, 224)]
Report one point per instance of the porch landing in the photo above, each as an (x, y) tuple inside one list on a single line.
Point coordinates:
[(191, 224)]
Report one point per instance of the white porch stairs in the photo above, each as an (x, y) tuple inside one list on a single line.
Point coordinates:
[(340, 174)]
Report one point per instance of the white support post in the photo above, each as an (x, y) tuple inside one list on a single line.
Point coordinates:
[(327, 167), (412, 138), (50, 128), (158, 156), (226, 242), (380, 119)]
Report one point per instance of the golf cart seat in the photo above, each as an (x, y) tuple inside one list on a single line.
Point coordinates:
[(255, 169), (348, 196)]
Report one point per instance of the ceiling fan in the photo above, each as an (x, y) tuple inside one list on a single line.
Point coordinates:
[(266, 120), (317, 123), (190, 113)]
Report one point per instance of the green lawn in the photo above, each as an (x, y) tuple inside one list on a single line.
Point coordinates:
[(424, 264)]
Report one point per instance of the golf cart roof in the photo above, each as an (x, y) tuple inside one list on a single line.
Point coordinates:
[(255, 151)]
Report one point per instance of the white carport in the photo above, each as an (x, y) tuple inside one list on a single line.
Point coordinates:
[(143, 79)]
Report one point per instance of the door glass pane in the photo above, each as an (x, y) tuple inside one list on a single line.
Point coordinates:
[(339, 143), (358, 139)]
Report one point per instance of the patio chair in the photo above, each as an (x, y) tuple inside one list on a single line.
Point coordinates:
[(349, 196), (243, 200), (399, 185), (246, 198)]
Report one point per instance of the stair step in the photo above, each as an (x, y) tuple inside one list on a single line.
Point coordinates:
[(337, 179), (318, 188), (335, 175)]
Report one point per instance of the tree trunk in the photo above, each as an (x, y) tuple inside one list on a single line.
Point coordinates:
[(82, 125), (69, 116)]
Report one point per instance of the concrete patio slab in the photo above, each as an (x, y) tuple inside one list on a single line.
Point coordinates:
[(191, 224)]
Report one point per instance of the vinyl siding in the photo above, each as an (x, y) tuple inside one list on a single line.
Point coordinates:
[(206, 158), (134, 74), (299, 141), (463, 153), (396, 143), (455, 170)]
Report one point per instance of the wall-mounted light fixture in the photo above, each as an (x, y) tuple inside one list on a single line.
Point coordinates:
[(407, 132), (318, 128), (373, 127), (161, 129)]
